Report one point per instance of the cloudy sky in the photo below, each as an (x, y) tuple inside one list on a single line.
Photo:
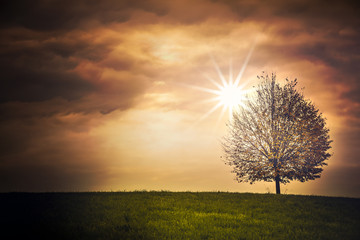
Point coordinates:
[(104, 95)]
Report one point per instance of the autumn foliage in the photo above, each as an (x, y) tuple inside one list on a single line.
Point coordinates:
[(277, 135)]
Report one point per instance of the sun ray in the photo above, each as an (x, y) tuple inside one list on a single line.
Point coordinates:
[(239, 76), (230, 72), (213, 109), (230, 113), (212, 81), (229, 93), (218, 70), (210, 100), (223, 110), (208, 90)]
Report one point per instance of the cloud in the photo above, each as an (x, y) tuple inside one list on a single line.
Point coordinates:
[(71, 68), (65, 15)]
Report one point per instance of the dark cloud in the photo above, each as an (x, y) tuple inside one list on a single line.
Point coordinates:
[(317, 11), (322, 32), (67, 66), (342, 56), (49, 153), (40, 67), (39, 50), (55, 15), (27, 178), (350, 138), (314, 13), (27, 85), (354, 94), (342, 180)]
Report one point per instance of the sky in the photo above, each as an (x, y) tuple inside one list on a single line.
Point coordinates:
[(105, 95)]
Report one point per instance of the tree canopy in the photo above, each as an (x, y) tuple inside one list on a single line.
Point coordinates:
[(277, 135)]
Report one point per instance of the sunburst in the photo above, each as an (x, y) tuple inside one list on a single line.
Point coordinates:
[(229, 93)]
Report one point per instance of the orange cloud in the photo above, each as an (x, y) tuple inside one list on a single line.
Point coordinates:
[(95, 96)]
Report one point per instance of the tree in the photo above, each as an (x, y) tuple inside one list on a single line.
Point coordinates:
[(276, 135)]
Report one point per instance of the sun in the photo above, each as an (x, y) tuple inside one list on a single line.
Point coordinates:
[(229, 93)]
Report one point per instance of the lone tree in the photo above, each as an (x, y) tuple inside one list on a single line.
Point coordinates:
[(277, 135)]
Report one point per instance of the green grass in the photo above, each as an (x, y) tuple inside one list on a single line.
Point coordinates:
[(170, 215)]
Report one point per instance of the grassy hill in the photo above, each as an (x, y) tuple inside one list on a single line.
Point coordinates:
[(184, 215)]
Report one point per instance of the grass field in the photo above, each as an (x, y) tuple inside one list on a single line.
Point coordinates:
[(184, 215)]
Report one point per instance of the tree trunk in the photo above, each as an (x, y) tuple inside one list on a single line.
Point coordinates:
[(277, 183)]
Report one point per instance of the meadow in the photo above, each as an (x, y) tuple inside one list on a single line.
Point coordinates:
[(177, 215)]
